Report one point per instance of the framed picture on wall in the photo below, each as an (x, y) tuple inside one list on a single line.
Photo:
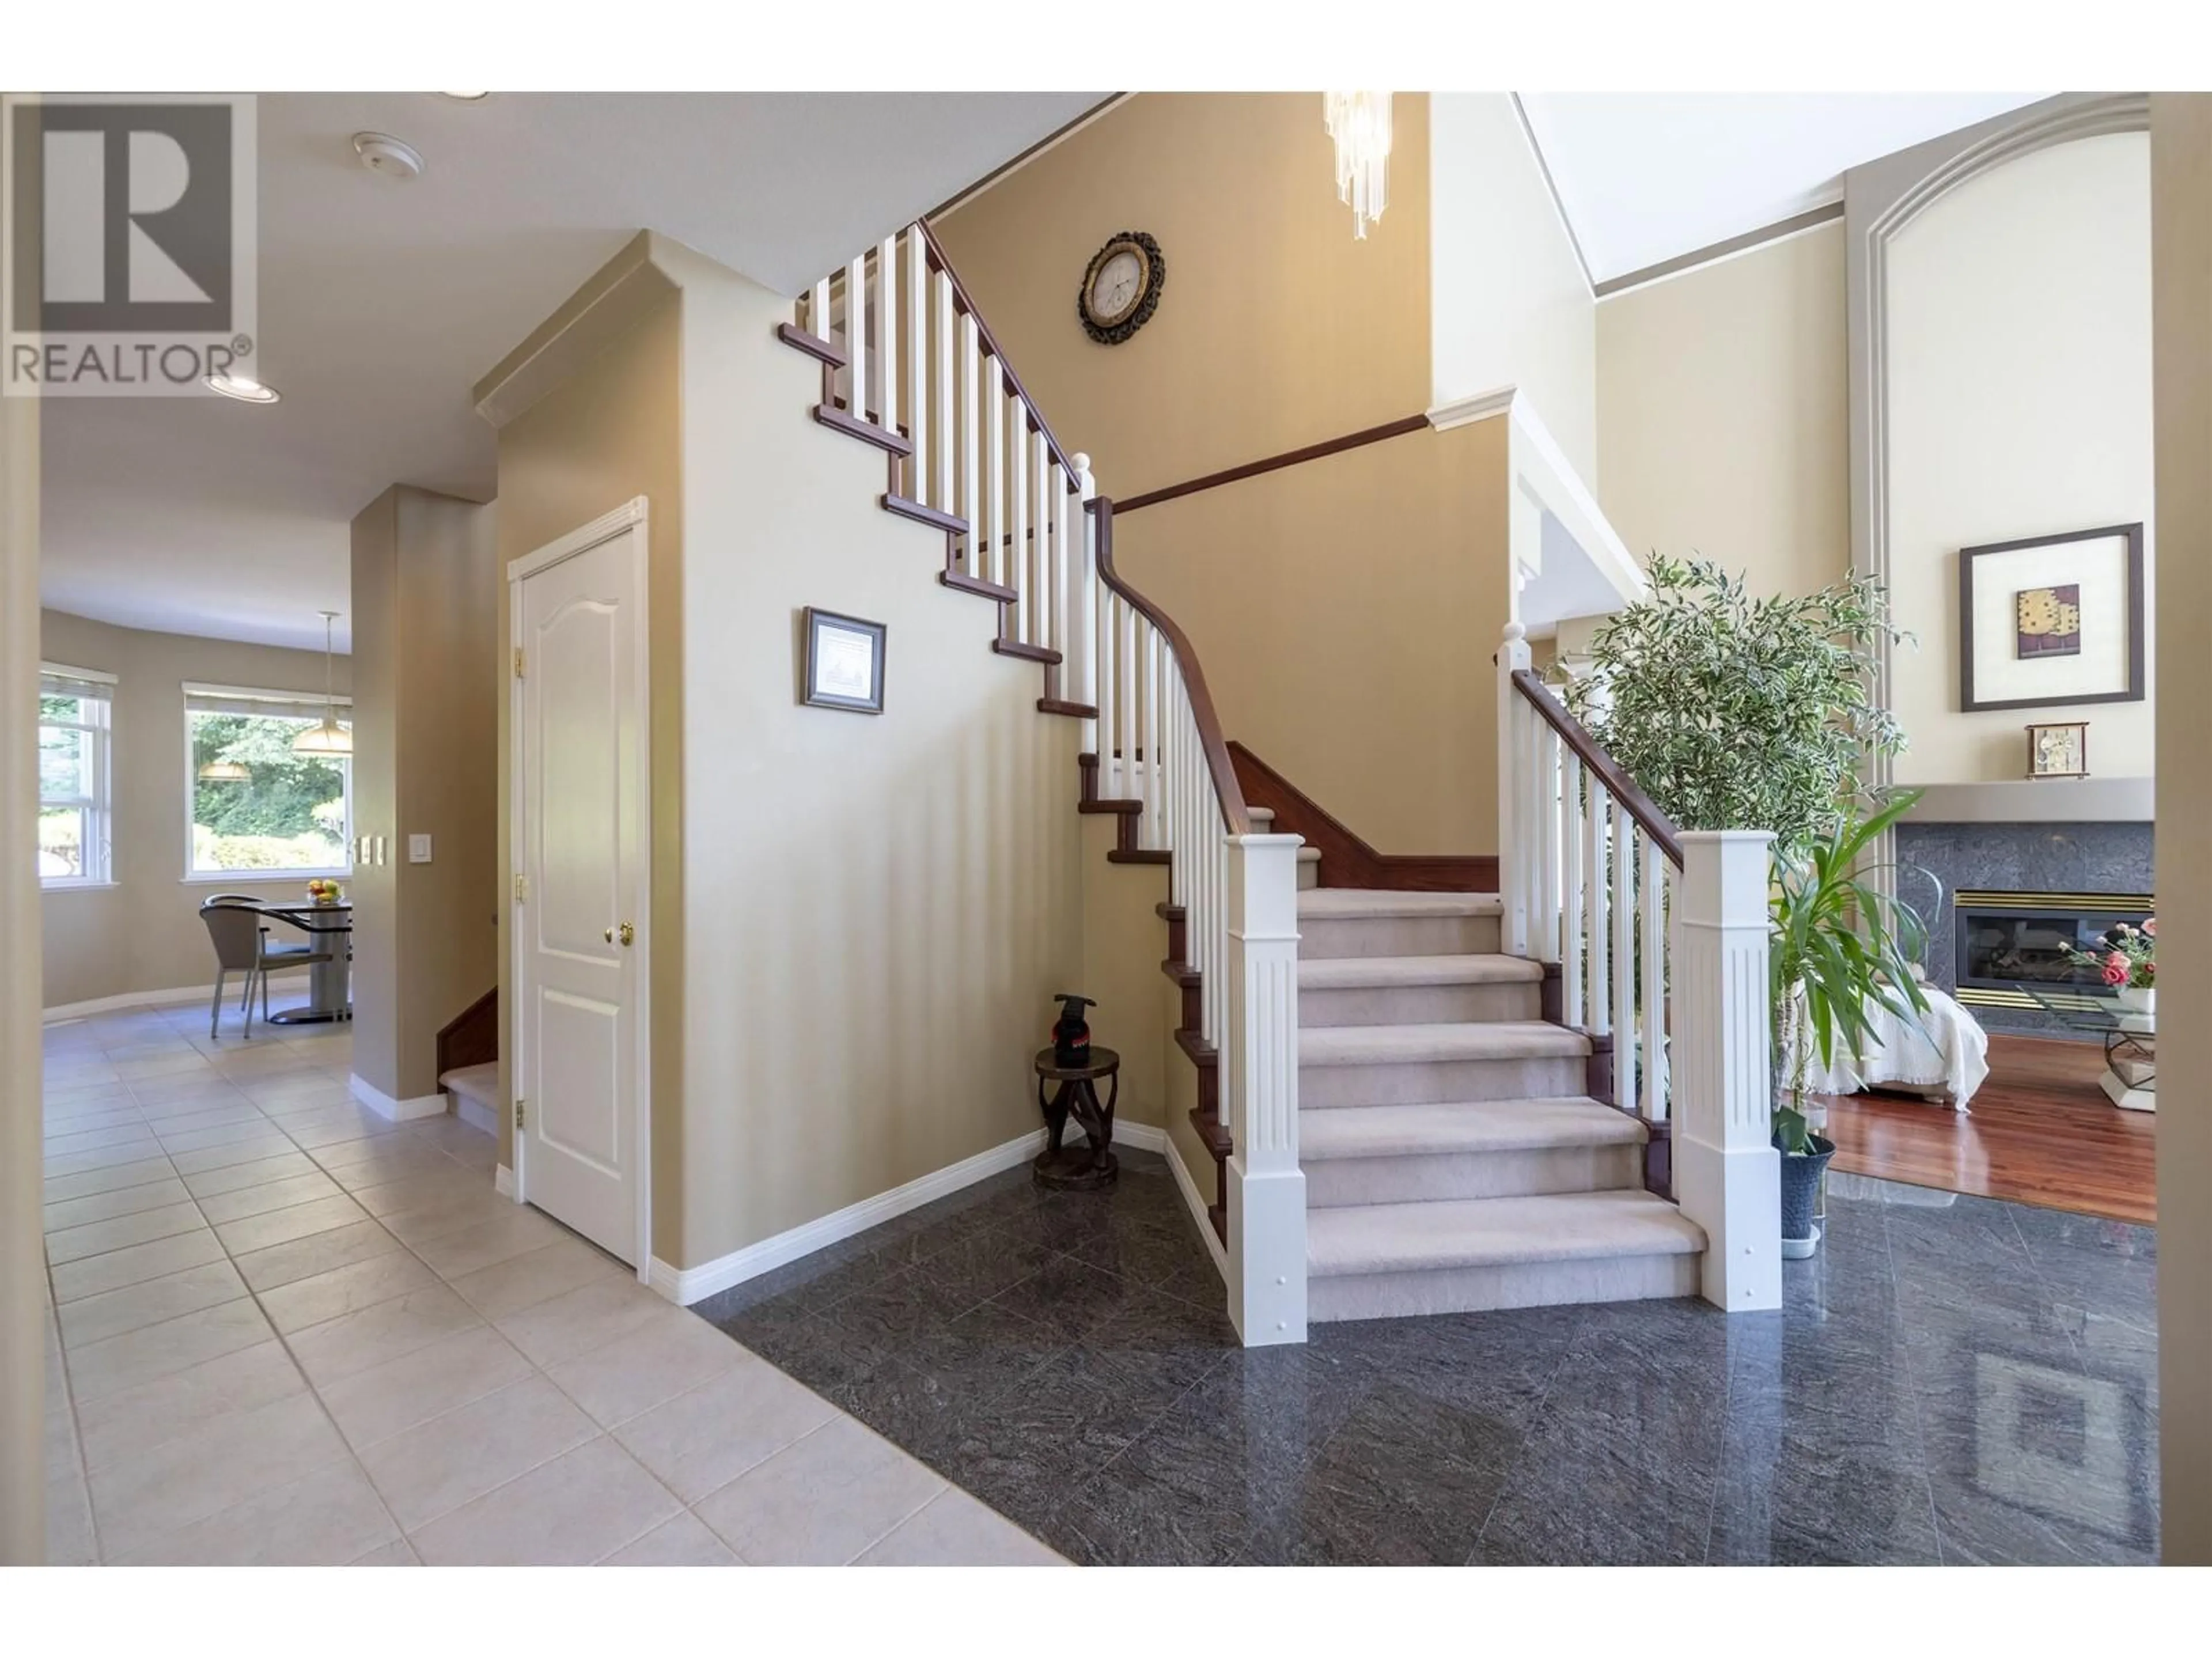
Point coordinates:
[(844, 665), (2052, 620)]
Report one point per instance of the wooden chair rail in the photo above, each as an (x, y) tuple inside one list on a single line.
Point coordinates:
[(1600, 765)]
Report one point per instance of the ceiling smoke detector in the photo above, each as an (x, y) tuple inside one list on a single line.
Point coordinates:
[(380, 152)]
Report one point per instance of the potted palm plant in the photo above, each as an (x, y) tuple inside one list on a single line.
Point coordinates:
[(1840, 951), (1738, 713)]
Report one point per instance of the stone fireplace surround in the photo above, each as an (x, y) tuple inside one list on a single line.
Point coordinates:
[(1937, 856)]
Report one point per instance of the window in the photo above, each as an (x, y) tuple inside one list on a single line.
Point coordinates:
[(73, 824), (256, 806)]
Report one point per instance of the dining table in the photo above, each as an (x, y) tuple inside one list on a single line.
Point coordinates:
[(329, 928)]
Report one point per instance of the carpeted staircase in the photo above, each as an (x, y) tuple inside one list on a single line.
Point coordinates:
[(1453, 1160)]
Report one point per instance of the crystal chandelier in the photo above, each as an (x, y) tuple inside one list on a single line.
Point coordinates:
[(1359, 122)]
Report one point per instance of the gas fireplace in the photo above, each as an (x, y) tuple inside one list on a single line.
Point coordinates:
[(2006, 940)]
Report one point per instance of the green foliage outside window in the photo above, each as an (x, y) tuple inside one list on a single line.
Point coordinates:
[(288, 812)]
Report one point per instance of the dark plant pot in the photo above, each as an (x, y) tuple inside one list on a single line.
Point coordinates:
[(1800, 1185)]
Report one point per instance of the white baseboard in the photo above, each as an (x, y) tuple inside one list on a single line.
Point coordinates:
[(399, 1111), (502, 1181), (1139, 1137), (475, 1115), (170, 998), (1197, 1205), (687, 1284)]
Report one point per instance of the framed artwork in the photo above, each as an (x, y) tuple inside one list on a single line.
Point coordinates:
[(2058, 750), (2050, 621), (844, 665)]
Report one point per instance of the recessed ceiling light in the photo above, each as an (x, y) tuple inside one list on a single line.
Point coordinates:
[(380, 152), (244, 387)]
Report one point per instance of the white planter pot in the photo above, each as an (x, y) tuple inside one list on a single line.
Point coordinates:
[(2139, 998)]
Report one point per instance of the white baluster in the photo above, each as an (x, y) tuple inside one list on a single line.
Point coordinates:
[(1596, 813), (1051, 577), (1515, 830), (917, 362), (856, 338), (818, 310), (1125, 663), (1727, 1176), (1025, 561), (1549, 805), (992, 413), (971, 443), (1102, 659), (947, 433), (887, 331), (1083, 545), (1571, 894), (1155, 736), (1259, 1063), (1623, 958), (1655, 981)]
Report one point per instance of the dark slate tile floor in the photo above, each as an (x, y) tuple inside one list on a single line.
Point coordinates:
[(1953, 1380)]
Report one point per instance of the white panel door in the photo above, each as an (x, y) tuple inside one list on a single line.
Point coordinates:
[(580, 798)]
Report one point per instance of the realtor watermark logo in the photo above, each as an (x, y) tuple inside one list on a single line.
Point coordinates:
[(127, 264)]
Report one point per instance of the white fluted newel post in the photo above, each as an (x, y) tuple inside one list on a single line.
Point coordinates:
[(1516, 825), (1728, 1177), (1260, 1084)]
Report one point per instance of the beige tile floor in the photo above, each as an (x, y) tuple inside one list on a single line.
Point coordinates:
[(283, 1330)]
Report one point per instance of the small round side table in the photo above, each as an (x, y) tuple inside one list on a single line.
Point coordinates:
[(1086, 1167)]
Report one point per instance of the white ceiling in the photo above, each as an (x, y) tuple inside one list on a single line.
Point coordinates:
[(383, 301), (1647, 177)]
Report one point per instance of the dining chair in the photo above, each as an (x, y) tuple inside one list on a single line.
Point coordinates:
[(241, 945)]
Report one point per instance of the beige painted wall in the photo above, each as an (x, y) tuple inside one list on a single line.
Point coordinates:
[(1723, 404), (1275, 329), (607, 435), (2181, 201), (1345, 612), (425, 716), (882, 905), (856, 922), (1510, 306), (2020, 404), (144, 933)]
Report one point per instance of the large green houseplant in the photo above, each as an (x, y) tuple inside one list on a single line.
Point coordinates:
[(1736, 712)]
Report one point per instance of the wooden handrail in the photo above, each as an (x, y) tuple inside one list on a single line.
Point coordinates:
[(939, 261), (1600, 765), (1328, 446), (1234, 816)]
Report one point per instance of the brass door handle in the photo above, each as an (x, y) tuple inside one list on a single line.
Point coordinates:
[(628, 933)]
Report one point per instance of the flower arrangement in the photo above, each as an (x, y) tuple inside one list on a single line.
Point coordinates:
[(2126, 957)]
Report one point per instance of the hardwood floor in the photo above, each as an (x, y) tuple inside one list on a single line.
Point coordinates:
[(2041, 1131)]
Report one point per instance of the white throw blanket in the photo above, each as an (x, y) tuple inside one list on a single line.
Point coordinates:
[(1898, 1054)]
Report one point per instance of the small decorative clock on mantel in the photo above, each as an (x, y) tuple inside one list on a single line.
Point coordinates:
[(1121, 288)]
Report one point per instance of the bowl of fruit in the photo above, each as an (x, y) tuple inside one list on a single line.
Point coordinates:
[(322, 891)]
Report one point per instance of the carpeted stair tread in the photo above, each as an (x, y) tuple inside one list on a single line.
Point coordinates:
[(1490, 1232), (1357, 904), (1384, 1045), (1474, 1126), (477, 1083), (1383, 972)]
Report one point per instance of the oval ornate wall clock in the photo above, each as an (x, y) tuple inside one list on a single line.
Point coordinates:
[(1121, 287)]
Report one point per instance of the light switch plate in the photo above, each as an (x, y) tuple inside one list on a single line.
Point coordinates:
[(418, 849)]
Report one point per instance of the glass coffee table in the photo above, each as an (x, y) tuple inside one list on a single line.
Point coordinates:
[(2130, 1038)]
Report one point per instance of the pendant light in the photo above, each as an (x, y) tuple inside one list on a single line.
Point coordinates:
[(1359, 123), (223, 771), (330, 739)]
